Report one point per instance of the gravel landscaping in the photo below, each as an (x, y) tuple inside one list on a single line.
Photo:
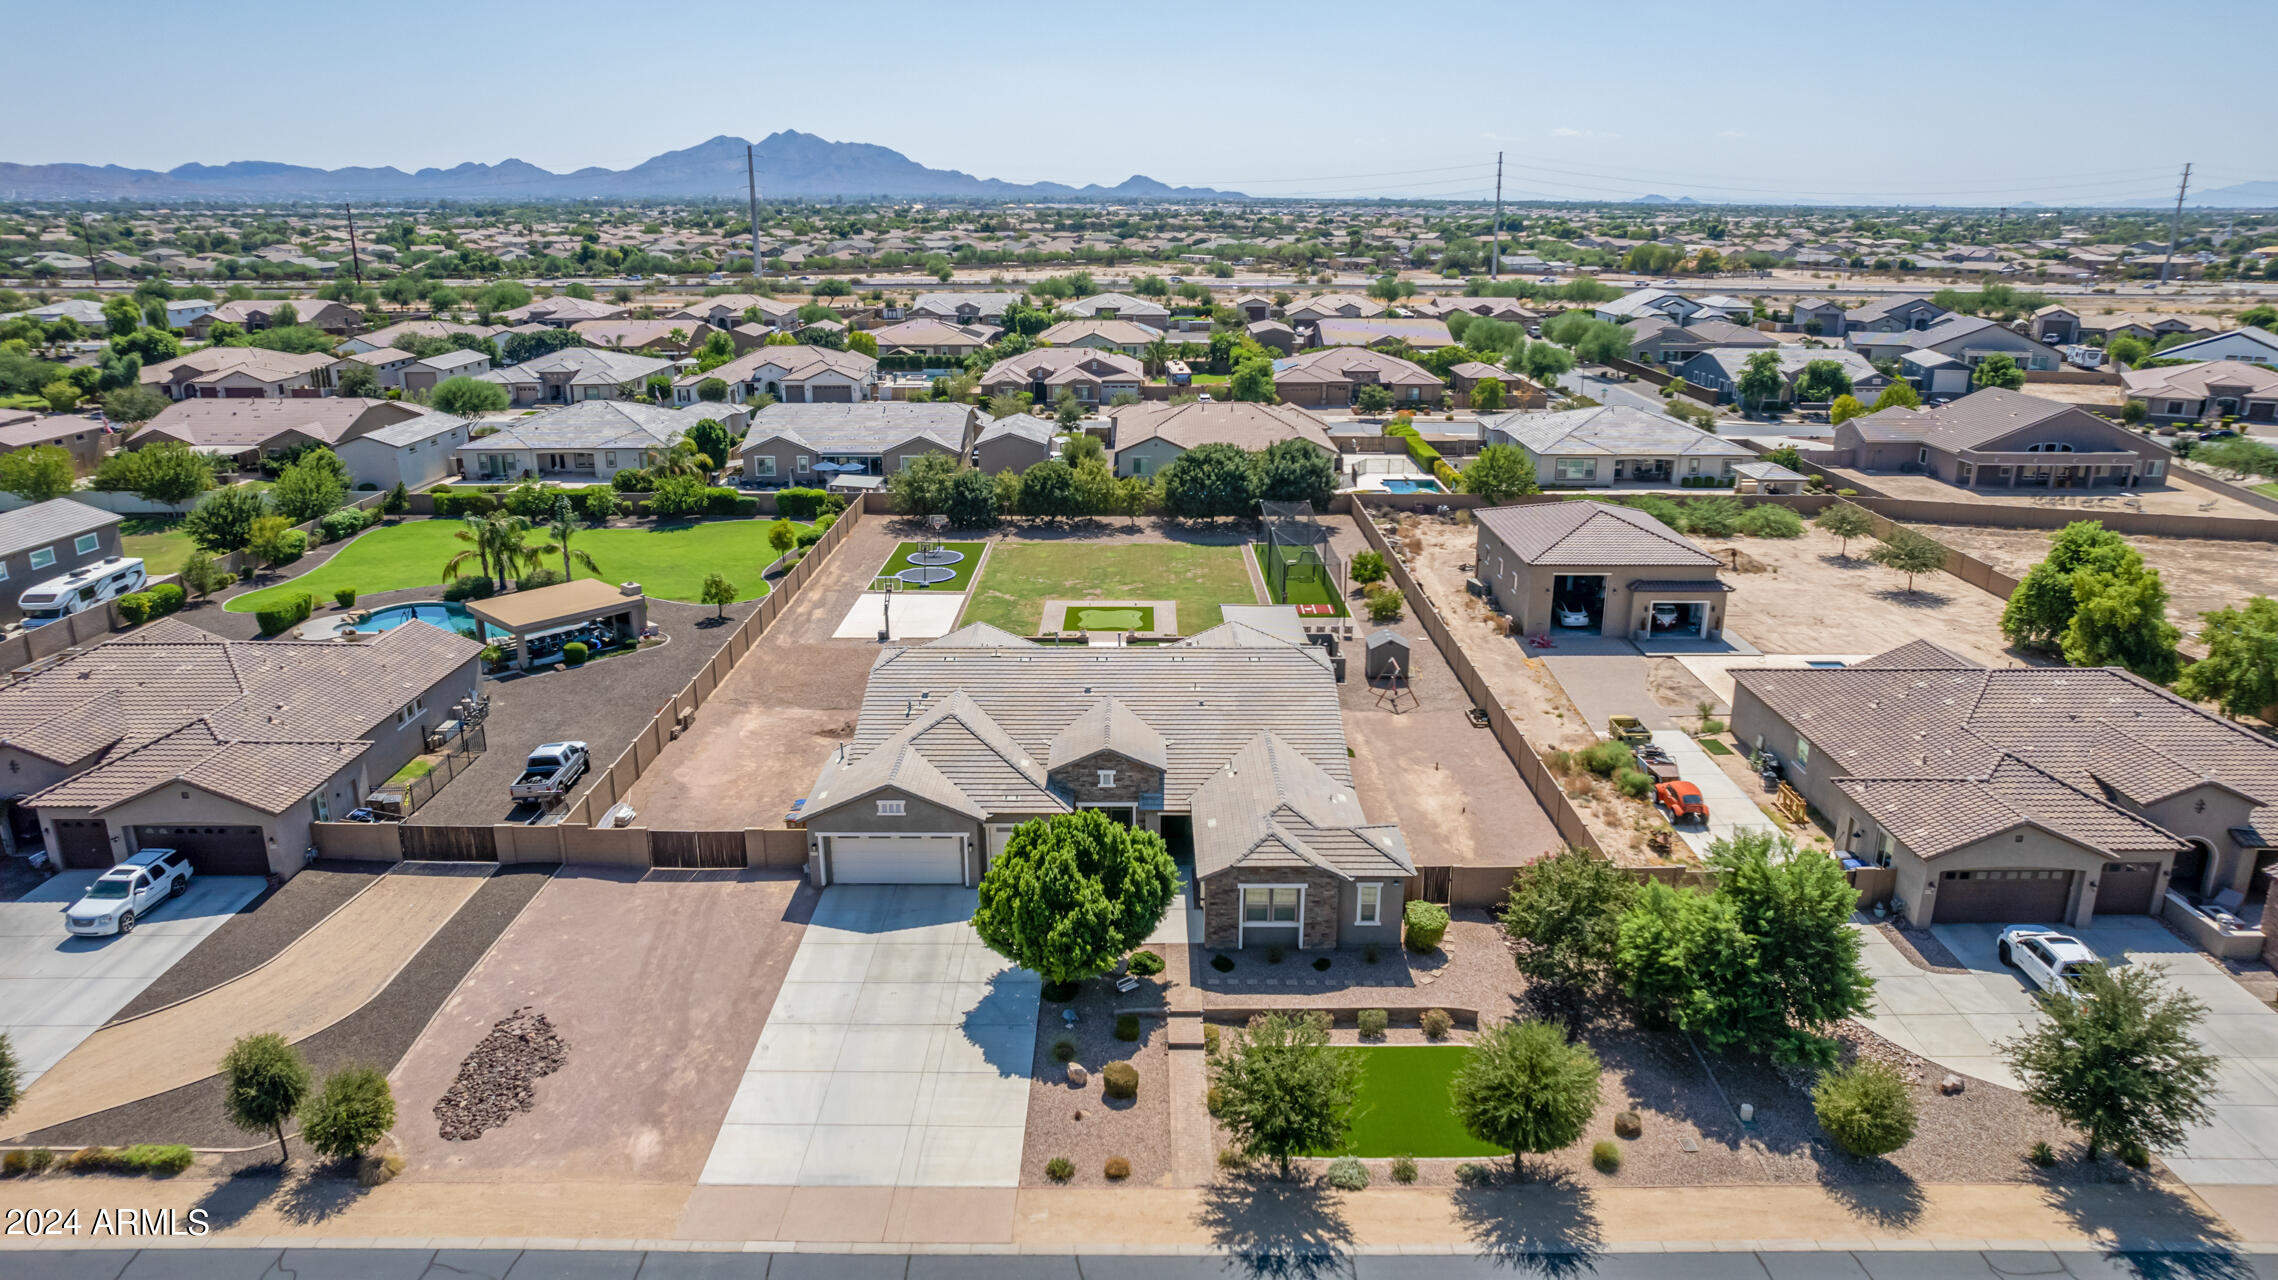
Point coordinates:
[(1471, 970), (253, 936), (1137, 1129), (376, 1035), (500, 1075)]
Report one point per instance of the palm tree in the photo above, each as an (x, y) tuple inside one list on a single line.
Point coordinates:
[(676, 458), (498, 544), (560, 532), (479, 550), (1158, 356)]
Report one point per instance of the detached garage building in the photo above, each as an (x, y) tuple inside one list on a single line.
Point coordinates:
[(2022, 795), (172, 737), (1619, 570)]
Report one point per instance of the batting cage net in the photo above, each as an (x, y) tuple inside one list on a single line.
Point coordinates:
[(1298, 557)]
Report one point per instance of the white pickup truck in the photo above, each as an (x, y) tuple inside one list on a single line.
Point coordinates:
[(128, 892), (550, 772)]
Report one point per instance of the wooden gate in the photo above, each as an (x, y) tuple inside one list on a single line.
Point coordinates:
[(696, 849), (449, 844), (1435, 884)]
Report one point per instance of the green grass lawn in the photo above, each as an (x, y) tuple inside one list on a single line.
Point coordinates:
[(1713, 746), (1022, 575), (669, 562), (900, 560), (1140, 619), (159, 540), (1317, 591), (1402, 1105), (2268, 490)]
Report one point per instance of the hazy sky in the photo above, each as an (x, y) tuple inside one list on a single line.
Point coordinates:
[(1985, 101)]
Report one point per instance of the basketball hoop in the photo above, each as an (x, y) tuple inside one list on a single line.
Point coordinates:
[(937, 523)]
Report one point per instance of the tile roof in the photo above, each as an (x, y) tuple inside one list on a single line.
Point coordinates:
[(50, 521), (588, 424), (1609, 430), (791, 362), (587, 366), (1122, 332), (1416, 331), (1269, 805), (1123, 304), (861, 426), (1931, 816), (2192, 381), (1249, 426), (1352, 364), (236, 424), (1589, 533), (1054, 366)]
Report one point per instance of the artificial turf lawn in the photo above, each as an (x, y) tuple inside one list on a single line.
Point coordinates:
[(1401, 1107), (1319, 590), (1023, 575), (159, 540), (669, 562), (1140, 619), (900, 560), (1713, 747)]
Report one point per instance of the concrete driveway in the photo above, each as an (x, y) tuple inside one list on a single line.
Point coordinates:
[(897, 1053), (56, 989), (1731, 809), (1959, 1021)]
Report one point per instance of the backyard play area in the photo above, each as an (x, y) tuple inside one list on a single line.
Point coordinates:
[(1021, 576), (1402, 1108), (1306, 585), (1140, 618), (669, 561), (930, 566)]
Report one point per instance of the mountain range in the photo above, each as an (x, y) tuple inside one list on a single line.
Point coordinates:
[(791, 165)]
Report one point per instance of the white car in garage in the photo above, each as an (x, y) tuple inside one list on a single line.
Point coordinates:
[(1571, 615), (127, 892), (2050, 960)]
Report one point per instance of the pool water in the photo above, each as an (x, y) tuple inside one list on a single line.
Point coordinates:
[(1412, 486), (449, 616)]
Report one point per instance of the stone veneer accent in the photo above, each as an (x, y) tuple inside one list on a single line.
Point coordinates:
[(1222, 904)]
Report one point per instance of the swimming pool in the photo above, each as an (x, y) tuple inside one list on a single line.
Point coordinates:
[(1412, 486), (447, 615)]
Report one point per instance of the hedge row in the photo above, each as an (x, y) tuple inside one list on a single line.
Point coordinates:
[(288, 613), (141, 606)]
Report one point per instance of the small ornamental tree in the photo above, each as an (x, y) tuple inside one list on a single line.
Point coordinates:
[(1900, 394), (2118, 1062), (201, 573), (782, 535), (1500, 473), (1866, 1108), (719, 592), (1564, 918), (970, 500), (1760, 383), (1368, 567), (1487, 395), (1846, 522), (1844, 408), (2040, 610), (11, 1084), (354, 1110), (1908, 552), (1282, 1090), (468, 397), (1073, 894), (1998, 371), (1524, 1088), (264, 1082), (224, 521)]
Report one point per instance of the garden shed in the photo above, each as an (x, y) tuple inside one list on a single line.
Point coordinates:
[(1385, 648)]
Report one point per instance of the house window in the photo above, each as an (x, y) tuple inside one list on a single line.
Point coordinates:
[(1371, 904), (43, 557), (890, 808), (611, 455), (763, 466), (1577, 469), (1270, 904), (1107, 777), (2174, 408), (1693, 466), (1922, 455), (2154, 468), (804, 463), (1803, 752), (85, 543)]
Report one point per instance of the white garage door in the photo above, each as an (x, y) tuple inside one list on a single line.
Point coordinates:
[(896, 860)]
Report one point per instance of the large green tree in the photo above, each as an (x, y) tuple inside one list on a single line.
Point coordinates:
[(1253, 381), (1563, 917), (1760, 383), (1209, 482), (2119, 618), (2040, 609), (1297, 471), (1908, 552), (1998, 371), (1073, 894), (1048, 490), (37, 474), (2240, 671), (1900, 394), (168, 472), (1283, 1091), (468, 397), (1523, 1087), (312, 488), (1500, 473), (2118, 1061), (921, 487), (224, 521), (970, 500), (1822, 382)]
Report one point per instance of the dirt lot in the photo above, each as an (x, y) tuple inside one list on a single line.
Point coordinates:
[(660, 1022), (2175, 499), (1808, 599), (2202, 574)]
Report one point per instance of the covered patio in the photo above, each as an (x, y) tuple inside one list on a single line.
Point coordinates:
[(536, 624)]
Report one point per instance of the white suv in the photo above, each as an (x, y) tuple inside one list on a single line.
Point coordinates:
[(128, 892), (2050, 960)]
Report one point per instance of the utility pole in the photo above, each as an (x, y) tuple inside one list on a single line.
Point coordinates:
[(1495, 260), (751, 176), (2175, 224), (355, 257), (87, 238)]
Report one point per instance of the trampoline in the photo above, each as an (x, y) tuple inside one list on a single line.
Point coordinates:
[(927, 575), (937, 556)]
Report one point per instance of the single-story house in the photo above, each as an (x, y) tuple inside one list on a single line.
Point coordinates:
[(563, 311), (1094, 377), (228, 750), (49, 540), (1718, 369), (1119, 306), (1620, 570), (1658, 340), (1613, 444), (423, 375), (2020, 795), (415, 452), (2000, 439), (1232, 737), (807, 445), (650, 337), (254, 314), (249, 430), (1273, 335), (239, 373), (1127, 336), (583, 443), (1969, 339), (386, 363), (2246, 343), (1519, 391), (1890, 315), (928, 337), (78, 434), (791, 375), (1421, 333), (1148, 437), (575, 374), (1332, 377), (1665, 303), (2207, 392), (2145, 326), (1307, 312), (964, 308), (1014, 443), (1508, 310), (1827, 315), (727, 310), (387, 337)]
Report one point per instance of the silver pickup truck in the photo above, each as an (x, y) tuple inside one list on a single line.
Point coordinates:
[(550, 772)]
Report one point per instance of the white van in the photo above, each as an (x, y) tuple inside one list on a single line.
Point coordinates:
[(88, 587)]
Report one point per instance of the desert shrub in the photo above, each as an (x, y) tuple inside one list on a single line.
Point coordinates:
[(1348, 1174), (1472, 1174), (347, 522), (143, 1157), (1059, 1169), (1385, 605), (345, 597), (2135, 1155), (1771, 522), (1628, 1124), (1867, 1108), (476, 588), (1127, 1026), (1232, 1158), (1368, 567), (1063, 1050), (1320, 964), (1715, 517), (1372, 1023), (2042, 1154), (1119, 1080), (375, 1169), (1603, 758), (1146, 963), (1634, 784), (165, 598), (353, 1111), (1403, 1169), (1436, 1024), (1214, 1100), (537, 578), (1117, 1168), (575, 653), (1210, 1039), (1425, 923), (286, 614), (1222, 962), (134, 607), (1606, 1156)]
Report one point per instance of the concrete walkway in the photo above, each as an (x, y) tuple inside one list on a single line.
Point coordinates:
[(325, 975), (1731, 809)]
